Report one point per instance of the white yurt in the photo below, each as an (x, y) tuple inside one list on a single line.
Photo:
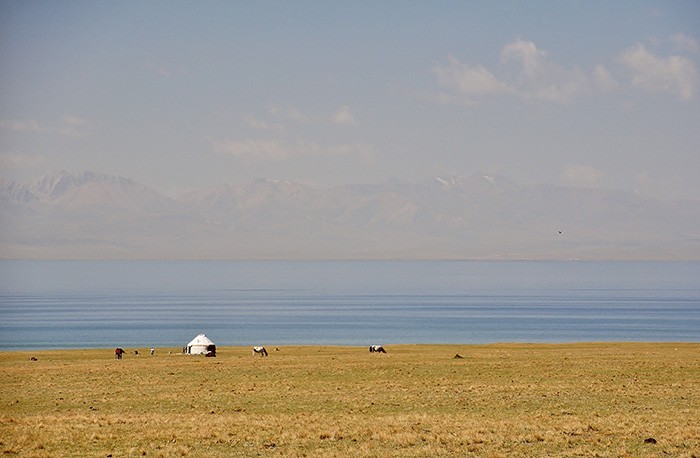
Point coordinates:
[(201, 345)]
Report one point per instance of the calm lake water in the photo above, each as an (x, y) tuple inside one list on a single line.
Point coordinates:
[(101, 304)]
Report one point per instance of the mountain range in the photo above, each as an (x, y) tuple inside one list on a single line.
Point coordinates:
[(96, 216)]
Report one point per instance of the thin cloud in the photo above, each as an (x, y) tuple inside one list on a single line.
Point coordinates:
[(533, 60), (582, 176), (267, 150), (468, 80), (73, 126), (254, 150), (290, 113), (365, 154), (21, 161), (603, 80), (74, 121), (537, 77), (278, 140), (344, 116), (70, 126), (675, 74), (165, 71), (260, 124), (683, 42), (541, 78), (21, 125)]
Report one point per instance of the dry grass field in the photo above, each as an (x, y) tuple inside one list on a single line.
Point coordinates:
[(416, 401)]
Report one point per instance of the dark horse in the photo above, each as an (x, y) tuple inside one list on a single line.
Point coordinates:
[(118, 352)]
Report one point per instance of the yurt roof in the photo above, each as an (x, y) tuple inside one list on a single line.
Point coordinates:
[(200, 340)]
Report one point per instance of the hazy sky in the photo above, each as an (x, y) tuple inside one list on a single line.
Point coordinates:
[(182, 95)]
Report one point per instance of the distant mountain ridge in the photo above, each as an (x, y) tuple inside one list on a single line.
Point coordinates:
[(96, 216)]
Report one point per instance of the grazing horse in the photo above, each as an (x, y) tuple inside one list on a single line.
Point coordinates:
[(376, 349), (259, 350)]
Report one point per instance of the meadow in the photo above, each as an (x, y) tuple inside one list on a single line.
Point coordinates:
[(500, 400)]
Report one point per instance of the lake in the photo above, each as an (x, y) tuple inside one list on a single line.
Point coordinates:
[(142, 304)]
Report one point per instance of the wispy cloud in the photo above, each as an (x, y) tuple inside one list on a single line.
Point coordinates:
[(467, 80), (537, 76), (289, 113), (582, 176), (675, 74), (73, 126), (21, 125), (542, 78), (603, 80), (260, 124), (270, 150), (254, 149), (74, 121), (683, 42), (283, 135), (344, 116), (69, 126), (21, 161), (163, 70)]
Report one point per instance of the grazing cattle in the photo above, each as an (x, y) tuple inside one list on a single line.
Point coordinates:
[(376, 349), (118, 352), (259, 350)]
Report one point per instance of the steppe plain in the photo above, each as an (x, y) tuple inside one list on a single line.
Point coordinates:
[(498, 400)]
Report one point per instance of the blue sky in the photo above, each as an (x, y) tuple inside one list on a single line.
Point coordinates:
[(183, 95)]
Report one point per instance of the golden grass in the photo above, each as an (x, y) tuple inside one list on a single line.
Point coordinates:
[(416, 401)]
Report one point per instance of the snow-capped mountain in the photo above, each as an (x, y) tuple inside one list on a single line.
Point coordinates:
[(88, 189), (91, 215)]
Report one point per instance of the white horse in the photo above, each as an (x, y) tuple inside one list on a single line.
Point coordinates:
[(259, 350), (376, 349)]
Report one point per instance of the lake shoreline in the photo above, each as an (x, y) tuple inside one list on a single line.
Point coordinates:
[(173, 350)]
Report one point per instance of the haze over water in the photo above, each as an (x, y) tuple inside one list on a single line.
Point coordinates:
[(102, 304)]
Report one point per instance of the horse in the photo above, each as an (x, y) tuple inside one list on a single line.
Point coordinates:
[(259, 350), (118, 352), (376, 349)]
